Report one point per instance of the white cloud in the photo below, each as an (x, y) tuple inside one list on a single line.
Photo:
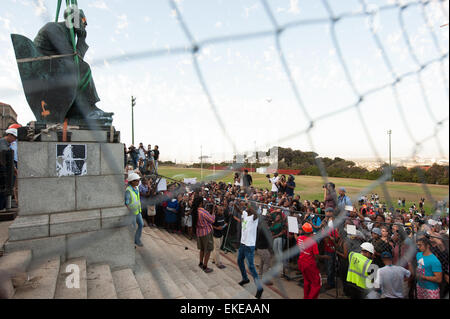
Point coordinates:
[(40, 8), (6, 23), (294, 7), (123, 22), (250, 9)]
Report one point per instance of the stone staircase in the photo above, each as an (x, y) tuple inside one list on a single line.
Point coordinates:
[(31, 279), (179, 256), (166, 268)]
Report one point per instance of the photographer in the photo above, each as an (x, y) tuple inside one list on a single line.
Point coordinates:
[(282, 185), (237, 179), (290, 186), (134, 155), (329, 195), (247, 181), (274, 181)]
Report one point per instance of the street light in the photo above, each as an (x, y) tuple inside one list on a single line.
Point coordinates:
[(201, 161), (133, 104)]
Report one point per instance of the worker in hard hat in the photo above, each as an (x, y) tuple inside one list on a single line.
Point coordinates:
[(307, 262), (133, 203), (5, 145), (359, 270)]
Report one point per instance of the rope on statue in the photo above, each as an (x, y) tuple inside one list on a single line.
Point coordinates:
[(87, 78)]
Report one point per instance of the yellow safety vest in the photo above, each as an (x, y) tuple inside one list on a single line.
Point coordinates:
[(357, 269), (135, 204)]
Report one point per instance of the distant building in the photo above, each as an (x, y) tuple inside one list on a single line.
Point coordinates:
[(7, 117)]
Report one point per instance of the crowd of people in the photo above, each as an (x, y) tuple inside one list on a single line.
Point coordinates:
[(145, 161), (371, 250)]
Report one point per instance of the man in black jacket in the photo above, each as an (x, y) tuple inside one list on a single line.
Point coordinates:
[(263, 243)]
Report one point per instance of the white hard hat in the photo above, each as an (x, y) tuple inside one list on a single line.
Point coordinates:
[(368, 247), (133, 177), (12, 131)]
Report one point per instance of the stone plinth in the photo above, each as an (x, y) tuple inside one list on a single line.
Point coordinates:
[(77, 215)]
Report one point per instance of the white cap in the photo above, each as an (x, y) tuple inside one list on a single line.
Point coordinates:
[(12, 131), (368, 247), (133, 177)]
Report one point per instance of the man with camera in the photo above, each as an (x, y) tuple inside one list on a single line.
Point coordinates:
[(329, 195), (247, 181), (290, 186), (274, 181)]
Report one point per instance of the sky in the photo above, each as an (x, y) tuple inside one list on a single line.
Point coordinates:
[(138, 48)]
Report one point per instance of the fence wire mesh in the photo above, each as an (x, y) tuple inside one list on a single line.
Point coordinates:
[(399, 235)]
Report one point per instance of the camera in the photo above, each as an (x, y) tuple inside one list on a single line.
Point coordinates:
[(332, 185)]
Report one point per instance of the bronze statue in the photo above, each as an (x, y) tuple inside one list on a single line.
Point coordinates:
[(57, 81)]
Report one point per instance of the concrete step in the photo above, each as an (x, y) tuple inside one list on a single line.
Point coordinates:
[(149, 286), (11, 265), (77, 269), (233, 290), (153, 279), (234, 273), (163, 252), (126, 284), (40, 282), (215, 281), (100, 284), (232, 270)]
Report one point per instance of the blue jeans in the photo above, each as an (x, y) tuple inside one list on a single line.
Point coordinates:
[(140, 225), (248, 252), (331, 267)]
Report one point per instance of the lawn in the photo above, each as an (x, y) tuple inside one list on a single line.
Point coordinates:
[(310, 187)]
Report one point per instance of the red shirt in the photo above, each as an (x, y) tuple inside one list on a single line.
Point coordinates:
[(329, 246), (308, 248)]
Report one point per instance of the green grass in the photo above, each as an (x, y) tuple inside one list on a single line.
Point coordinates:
[(310, 187)]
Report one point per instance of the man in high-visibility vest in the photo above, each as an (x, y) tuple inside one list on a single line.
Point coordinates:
[(133, 203), (358, 271)]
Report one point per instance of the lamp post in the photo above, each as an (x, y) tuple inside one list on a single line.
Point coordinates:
[(133, 103), (390, 159), (201, 161)]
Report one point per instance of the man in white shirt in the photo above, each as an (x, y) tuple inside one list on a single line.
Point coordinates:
[(249, 228), (274, 181)]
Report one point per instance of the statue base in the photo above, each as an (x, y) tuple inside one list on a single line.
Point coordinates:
[(71, 199), (75, 133)]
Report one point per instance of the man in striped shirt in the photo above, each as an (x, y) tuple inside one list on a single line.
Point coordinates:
[(204, 231)]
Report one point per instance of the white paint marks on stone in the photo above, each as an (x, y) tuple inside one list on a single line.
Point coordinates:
[(71, 160)]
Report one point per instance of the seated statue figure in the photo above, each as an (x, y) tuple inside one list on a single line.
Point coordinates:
[(57, 81)]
